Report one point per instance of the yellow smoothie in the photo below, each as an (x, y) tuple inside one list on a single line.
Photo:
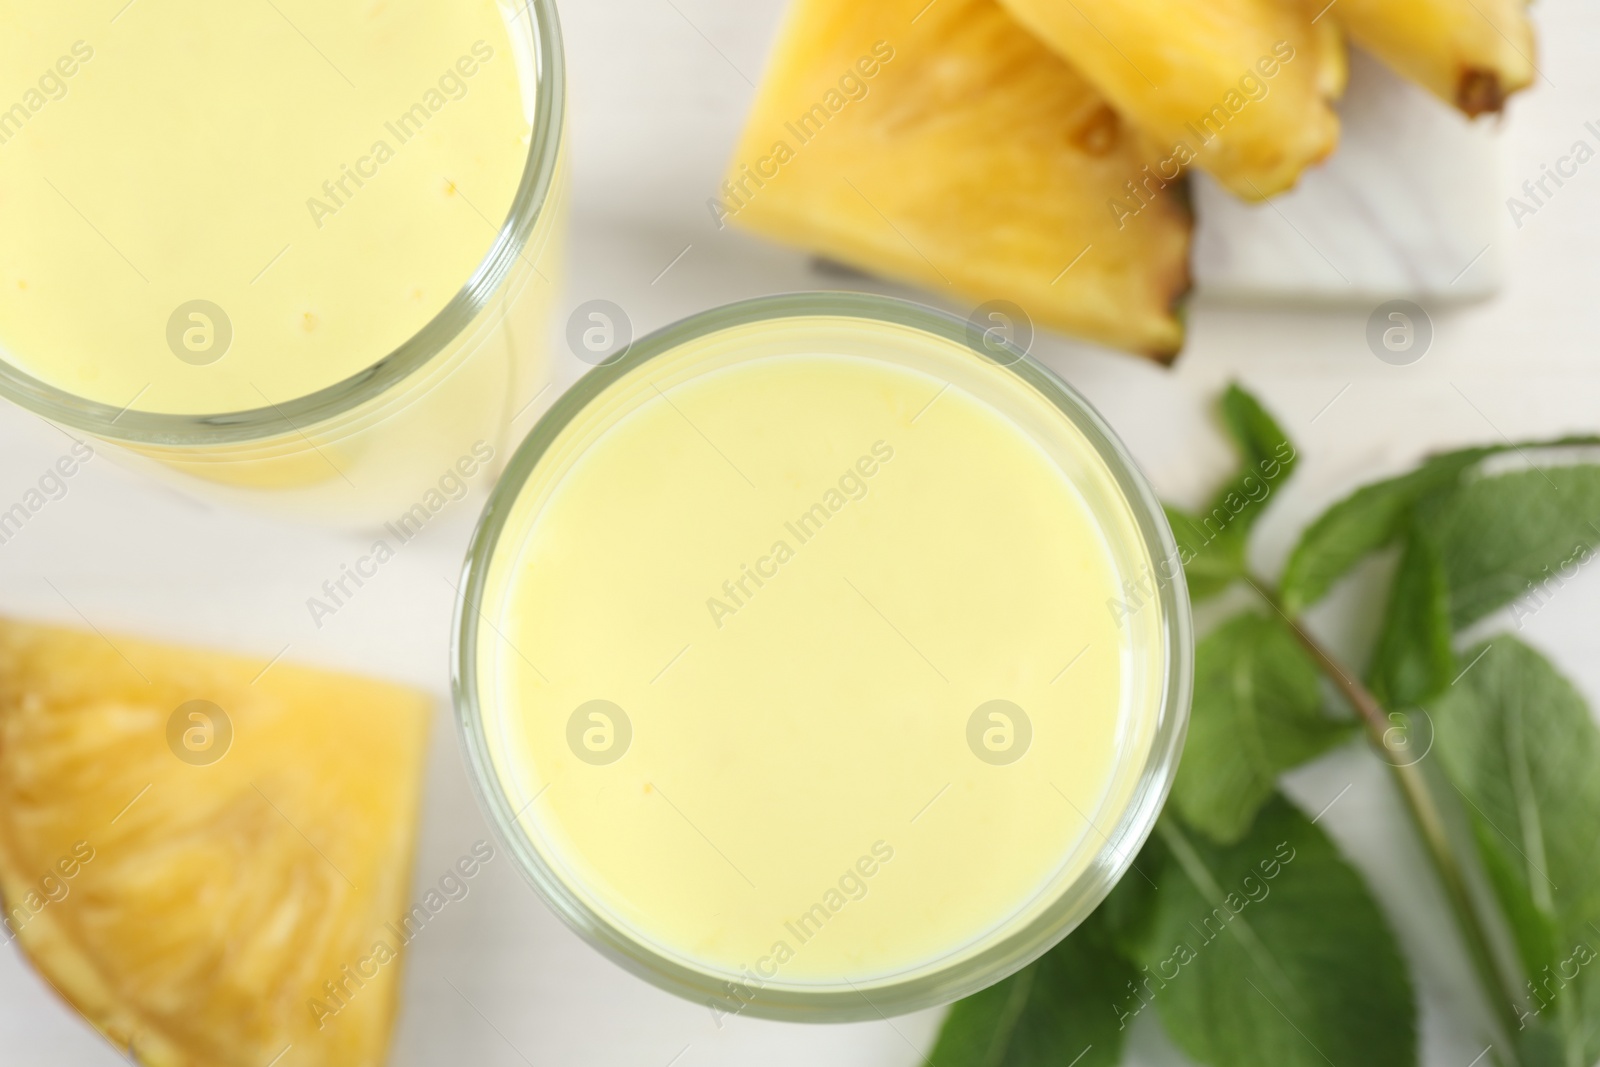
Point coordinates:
[(216, 208), (807, 659)]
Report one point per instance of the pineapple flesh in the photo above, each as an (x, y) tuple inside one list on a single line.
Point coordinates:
[(1239, 87), (202, 911), (1469, 53), (1333, 58), (944, 145)]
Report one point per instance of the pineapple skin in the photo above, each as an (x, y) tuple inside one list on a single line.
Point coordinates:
[(1244, 84), (1472, 54), (955, 151)]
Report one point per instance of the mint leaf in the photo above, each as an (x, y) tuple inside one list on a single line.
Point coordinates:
[(1268, 457), (1212, 555), (1376, 515), (1517, 741), (1501, 535), (1211, 545), (1271, 953), (1259, 437), (1257, 712), (1413, 659), (1363, 522), (1051, 1011), (1129, 911)]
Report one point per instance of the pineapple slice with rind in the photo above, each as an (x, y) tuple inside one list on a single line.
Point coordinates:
[(202, 880), (1472, 54), (1239, 87), (941, 143)]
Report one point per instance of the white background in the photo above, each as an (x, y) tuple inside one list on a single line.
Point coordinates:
[(659, 89)]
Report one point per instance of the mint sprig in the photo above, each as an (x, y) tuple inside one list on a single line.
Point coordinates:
[(1301, 967)]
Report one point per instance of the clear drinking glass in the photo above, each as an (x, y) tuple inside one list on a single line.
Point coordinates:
[(374, 445), (681, 782)]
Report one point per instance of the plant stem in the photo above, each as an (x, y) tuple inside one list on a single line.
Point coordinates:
[(1426, 816)]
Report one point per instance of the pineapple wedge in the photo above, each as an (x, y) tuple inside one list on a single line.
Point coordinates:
[(1240, 87), (942, 144), (204, 911), (1471, 54), (1333, 58)]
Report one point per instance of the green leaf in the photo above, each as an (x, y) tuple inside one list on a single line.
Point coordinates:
[(1363, 522), (1518, 742), (1540, 1046), (1267, 458), (1211, 545), (1259, 437), (1129, 911), (1414, 660), (1376, 515), (1051, 1011), (1271, 953), (1501, 535), (1257, 713), (1213, 558)]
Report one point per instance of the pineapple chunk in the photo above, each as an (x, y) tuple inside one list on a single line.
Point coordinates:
[(193, 907), (1470, 53), (942, 144), (1333, 58), (1241, 87)]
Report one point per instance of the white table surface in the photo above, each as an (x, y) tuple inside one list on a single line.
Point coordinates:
[(659, 89)]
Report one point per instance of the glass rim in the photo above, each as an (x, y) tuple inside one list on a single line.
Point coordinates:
[(294, 415), (995, 961)]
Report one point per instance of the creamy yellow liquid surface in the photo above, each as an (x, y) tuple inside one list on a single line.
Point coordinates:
[(329, 173), (799, 574)]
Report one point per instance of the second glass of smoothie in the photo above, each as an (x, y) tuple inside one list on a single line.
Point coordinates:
[(300, 250)]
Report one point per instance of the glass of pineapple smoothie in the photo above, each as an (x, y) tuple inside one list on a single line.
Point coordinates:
[(301, 251), (821, 657)]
